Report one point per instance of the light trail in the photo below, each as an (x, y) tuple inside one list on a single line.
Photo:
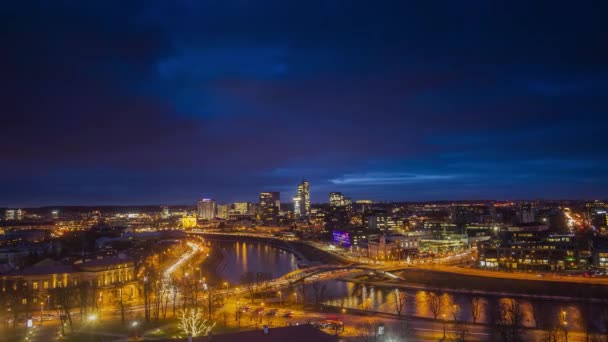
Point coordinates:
[(195, 249)]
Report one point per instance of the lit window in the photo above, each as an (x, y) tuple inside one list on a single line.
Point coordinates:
[(46, 285), (35, 285)]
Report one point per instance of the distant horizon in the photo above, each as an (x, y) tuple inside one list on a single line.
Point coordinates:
[(444, 201)]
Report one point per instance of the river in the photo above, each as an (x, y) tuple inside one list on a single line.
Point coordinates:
[(241, 257)]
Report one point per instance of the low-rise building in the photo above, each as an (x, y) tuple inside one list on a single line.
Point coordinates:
[(393, 247), (539, 253)]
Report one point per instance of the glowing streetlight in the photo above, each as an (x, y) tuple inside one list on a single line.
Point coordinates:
[(92, 318), (443, 325)]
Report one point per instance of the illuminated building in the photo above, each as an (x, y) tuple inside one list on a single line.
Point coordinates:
[(13, 214), (535, 251), (164, 212), (301, 201), (205, 209), (393, 247), (241, 207), (111, 277), (269, 206), (222, 211), (336, 199), (188, 221), (596, 213)]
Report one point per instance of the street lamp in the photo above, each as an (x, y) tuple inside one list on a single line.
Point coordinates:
[(226, 284), (565, 323), (236, 311), (41, 310), (443, 325), (280, 298)]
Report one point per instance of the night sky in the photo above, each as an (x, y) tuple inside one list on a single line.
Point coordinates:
[(164, 102)]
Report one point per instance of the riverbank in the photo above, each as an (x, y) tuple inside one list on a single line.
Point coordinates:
[(431, 280), (209, 266)]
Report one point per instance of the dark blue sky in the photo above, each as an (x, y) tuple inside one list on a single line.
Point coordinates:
[(168, 101)]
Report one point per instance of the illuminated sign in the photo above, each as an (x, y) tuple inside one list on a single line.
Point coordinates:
[(341, 238)]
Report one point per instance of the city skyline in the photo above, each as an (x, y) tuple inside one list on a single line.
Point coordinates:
[(394, 101)]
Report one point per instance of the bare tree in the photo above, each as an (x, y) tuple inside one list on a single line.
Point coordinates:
[(248, 279), (476, 308), (434, 304), (460, 331), (192, 323), (63, 298), (508, 322), (400, 298)]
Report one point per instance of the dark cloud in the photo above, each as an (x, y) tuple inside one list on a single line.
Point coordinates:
[(164, 101)]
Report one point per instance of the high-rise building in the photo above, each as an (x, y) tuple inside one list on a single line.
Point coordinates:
[(222, 211), (301, 201), (269, 206), (297, 206), (593, 209), (205, 209)]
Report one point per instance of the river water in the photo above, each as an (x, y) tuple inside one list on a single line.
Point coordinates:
[(241, 257)]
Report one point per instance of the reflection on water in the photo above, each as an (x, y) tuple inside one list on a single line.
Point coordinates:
[(458, 306), (242, 257)]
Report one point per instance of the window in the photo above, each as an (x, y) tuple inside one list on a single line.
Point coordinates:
[(46, 285), (35, 285)]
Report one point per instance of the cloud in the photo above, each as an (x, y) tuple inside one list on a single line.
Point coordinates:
[(389, 178)]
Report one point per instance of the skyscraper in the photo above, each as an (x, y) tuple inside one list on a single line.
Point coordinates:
[(205, 209), (301, 202), (270, 204)]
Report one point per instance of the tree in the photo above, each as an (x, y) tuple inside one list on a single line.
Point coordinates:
[(192, 323), (400, 298), (19, 297), (248, 279), (508, 321), (434, 304), (63, 299), (476, 308)]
